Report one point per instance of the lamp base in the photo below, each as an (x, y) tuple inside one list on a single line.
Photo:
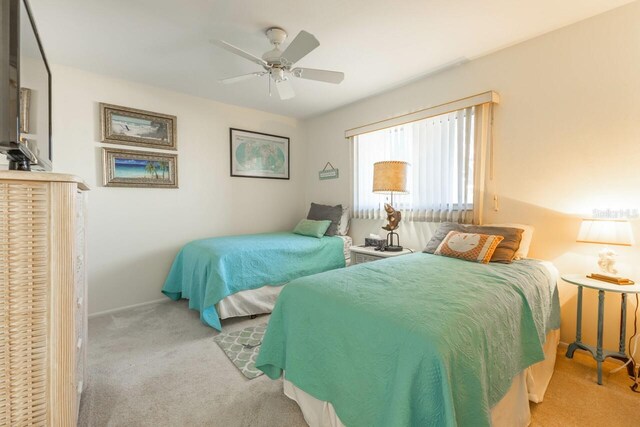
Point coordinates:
[(611, 279), (393, 244)]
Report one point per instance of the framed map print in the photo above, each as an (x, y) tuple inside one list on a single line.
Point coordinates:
[(259, 155)]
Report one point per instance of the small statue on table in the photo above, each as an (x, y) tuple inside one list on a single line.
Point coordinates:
[(393, 222)]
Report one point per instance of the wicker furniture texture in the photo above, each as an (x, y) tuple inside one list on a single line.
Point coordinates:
[(42, 298)]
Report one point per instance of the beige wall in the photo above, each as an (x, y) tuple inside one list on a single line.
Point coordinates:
[(567, 136), (134, 233)]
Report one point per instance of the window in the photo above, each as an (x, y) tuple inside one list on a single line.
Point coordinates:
[(441, 152)]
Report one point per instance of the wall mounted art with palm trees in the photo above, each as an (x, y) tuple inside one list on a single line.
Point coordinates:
[(132, 168)]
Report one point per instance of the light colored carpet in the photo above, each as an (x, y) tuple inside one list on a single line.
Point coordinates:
[(157, 365)]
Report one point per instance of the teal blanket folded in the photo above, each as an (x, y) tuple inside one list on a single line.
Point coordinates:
[(416, 340), (206, 271)]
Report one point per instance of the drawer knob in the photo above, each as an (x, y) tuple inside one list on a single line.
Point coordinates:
[(79, 345)]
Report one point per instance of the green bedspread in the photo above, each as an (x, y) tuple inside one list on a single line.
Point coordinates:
[(417, 340), (206, 271)]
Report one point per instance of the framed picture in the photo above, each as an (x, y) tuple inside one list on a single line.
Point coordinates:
[(259, 155), (128, 126), (132, 168)]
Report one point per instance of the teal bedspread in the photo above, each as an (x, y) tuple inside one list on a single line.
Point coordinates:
[(417, 340), (206, 271)]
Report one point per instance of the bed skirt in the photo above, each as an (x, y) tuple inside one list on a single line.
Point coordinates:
[(512, 411)]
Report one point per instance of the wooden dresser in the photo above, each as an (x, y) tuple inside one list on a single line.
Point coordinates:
[(43, 286)]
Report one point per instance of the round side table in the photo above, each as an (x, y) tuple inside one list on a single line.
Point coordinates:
[(580, 280)]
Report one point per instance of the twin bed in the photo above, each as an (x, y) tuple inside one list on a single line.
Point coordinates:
[(242, 275), (262, 300), (414, 340), (417, 340)]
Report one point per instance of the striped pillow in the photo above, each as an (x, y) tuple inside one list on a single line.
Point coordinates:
[(469, 246)]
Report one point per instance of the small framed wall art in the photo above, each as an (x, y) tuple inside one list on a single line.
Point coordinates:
[(132, 168), (129, 126), (259, 155)]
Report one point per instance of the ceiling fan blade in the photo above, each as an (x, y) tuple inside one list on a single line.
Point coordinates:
[(319, 75), (285, 90), (300, 46), (236, 50), (243, 77)]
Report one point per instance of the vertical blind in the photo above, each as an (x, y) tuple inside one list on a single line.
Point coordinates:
[(443, 178)]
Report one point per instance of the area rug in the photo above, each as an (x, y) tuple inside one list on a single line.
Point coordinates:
[(242, 348)]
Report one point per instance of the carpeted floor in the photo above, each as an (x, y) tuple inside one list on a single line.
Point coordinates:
[(157, 365)]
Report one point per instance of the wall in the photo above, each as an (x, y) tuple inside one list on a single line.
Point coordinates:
[(134, 233), (566, 133)]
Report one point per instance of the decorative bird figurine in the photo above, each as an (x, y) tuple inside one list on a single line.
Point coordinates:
[(393, 218)]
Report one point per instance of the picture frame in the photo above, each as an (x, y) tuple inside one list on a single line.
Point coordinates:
[(258, 155), (130, 126), (143, 169)]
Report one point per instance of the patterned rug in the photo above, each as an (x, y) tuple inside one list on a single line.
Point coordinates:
[(242, 348)]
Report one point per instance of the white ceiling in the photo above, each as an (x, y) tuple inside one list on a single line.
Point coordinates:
[(378, 44)]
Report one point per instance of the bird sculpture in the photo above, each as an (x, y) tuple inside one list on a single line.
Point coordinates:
[(393, 218)]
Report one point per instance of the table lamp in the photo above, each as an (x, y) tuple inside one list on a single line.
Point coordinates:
[(391, 177), (607, 232)]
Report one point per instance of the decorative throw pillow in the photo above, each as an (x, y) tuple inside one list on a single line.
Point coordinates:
[(311, 228), (323, 212), (469, 246), (505, 252), (345, 222)]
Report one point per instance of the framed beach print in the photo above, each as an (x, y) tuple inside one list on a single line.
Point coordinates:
[(128, 126), (133, 168), (259, 155)]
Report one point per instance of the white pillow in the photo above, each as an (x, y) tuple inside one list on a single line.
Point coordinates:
[(527, 236), (345, 221)]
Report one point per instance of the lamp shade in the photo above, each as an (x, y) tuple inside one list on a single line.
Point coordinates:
[(606, 231), (390, 176)]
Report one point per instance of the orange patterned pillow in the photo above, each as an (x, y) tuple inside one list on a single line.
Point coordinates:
[(468, 246)]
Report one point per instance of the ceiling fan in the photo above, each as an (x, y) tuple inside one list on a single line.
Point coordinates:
[(277, 63)]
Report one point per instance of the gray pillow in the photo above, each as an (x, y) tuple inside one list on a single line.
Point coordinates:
[(439, 236), (504, 253), (323, 212)]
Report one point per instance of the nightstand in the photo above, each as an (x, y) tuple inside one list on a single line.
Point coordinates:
[(362, 254), (580, 280)]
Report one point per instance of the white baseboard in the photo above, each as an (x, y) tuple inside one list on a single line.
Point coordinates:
[(142, 304)]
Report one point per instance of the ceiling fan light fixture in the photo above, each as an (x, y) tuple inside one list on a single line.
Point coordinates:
[(277, 63), (277, 74)]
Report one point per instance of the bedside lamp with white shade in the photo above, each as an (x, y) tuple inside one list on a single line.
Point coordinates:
[(608, 232)]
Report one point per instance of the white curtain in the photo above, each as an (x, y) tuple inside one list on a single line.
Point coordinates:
[(441, 153)]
